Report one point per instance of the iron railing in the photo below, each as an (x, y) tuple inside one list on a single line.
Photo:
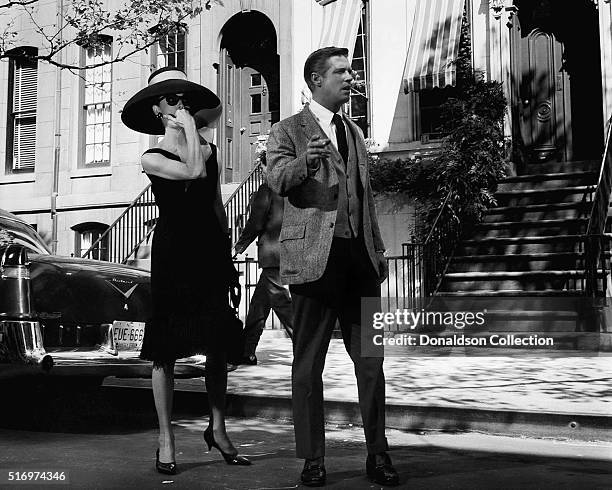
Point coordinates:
[(123, 237), (238, 204), (596, 246), (432, 257), (402, 289)]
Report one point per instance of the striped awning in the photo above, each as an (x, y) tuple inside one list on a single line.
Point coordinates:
[(434, 45), (340, 26), (340, 23)]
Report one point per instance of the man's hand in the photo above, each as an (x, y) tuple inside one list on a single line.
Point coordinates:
[(317, 150), (383, 267)]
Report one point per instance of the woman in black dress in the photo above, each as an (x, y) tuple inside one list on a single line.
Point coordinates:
[(191, 266)]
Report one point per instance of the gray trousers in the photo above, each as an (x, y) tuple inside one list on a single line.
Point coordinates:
[(269, 295), (348, 277)]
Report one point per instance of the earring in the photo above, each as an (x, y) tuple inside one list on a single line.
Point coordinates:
[(159, 115)]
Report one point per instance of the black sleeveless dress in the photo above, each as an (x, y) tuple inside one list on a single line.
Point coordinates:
[(191, 270)]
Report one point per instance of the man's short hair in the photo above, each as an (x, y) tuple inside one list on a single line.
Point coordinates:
[(317, 61)]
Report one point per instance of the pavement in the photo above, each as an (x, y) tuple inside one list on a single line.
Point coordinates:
[(559, 397), (121, 455)]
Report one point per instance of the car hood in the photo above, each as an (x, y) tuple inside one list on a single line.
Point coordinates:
[(74, 290)]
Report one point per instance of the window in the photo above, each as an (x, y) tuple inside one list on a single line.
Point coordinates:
[(21, 128), (255, 79), (97, 106), (358, 103), (431, 101), (170, 51), (86, 234), (255, 103)]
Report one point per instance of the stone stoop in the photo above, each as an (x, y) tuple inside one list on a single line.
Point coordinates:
[(527, 247), (529, 243)]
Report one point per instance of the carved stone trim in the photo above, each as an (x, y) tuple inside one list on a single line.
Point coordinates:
[(497, 6)]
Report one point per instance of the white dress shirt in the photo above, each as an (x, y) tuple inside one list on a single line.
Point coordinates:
[(324, 118)]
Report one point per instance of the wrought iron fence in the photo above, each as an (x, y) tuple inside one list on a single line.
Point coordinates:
[(402, 289)]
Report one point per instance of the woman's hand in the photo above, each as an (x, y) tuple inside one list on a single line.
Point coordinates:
[(181, 119)]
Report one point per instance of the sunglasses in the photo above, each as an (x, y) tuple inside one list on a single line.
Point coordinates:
[(173, 99)]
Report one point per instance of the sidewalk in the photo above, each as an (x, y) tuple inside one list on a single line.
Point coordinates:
[(567, 397)]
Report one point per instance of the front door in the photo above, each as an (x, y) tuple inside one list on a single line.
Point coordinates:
[(246, 116), (255, 115), (544, 97)]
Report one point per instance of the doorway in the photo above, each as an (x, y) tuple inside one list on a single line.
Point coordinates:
[(557, 72), (250, 90)]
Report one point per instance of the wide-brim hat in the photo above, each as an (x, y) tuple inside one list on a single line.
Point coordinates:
[(138, 114)]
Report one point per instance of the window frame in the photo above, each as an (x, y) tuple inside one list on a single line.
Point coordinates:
[(21, 55), (92, 227), (156, 52), (363, 37), (83, 143)]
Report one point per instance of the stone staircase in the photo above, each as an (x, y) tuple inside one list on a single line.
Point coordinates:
[(524, 264), (529, 244)]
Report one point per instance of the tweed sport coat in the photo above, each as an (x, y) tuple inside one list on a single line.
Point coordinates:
[(311, 199)]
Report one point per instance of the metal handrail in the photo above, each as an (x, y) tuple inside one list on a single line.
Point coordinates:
[(433, 255), (238, 204), (128, 231), (594, 245)]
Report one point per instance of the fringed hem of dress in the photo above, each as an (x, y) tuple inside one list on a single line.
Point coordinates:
[(167, 338)]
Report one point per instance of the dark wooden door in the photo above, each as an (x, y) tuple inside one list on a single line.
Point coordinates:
[(544, 97)]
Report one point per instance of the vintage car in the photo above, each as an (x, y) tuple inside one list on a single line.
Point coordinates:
[(70, 317)]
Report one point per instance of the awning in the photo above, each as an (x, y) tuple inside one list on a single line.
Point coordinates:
[(434, 45), (340, 23), (340, 26)]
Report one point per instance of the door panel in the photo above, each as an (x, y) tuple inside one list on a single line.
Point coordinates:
[(544, 97), (246, 115), (255, 117)]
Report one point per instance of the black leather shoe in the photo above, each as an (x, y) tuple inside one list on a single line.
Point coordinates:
[(313, 474), (382, 473), (165, 468), (249, 360)]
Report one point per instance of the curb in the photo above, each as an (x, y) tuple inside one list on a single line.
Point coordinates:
[(414, 418), (444, 419)]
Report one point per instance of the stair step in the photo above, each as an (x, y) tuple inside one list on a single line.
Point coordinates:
[(554, 181), (534, 256), (514, 262), (533, 223), (554, 167), (547, 177), (485, 293), (520, 245), (562, 210), (526, 228), (525, 197), (476, 276)]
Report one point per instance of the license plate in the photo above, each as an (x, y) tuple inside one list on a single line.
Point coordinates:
[(128, 335)]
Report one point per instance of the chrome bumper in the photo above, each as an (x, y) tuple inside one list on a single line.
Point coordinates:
[(22, 354), (21, 349)]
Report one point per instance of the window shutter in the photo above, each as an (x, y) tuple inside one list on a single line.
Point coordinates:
[(24, 114)]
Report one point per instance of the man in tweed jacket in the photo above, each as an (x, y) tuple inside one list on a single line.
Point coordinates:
[(331, 256)]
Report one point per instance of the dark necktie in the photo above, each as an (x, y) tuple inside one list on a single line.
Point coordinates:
[(341, 137)]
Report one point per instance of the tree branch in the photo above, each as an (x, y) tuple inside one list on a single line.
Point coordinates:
[(20, 3)]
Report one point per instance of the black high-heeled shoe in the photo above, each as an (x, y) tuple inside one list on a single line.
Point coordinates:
[(165, 468), (230, 459)]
